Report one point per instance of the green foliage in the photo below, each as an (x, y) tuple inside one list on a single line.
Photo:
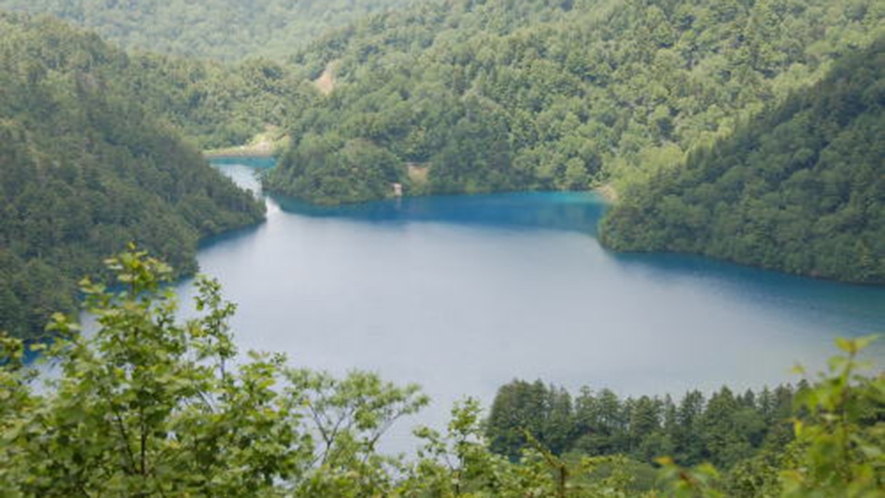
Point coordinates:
[(215, 105), (347, 419), (838, 422), (799, 188), (220, 29), (84, 168), (520, 408), (724, 430), (840, 433), (502, 95), (351, 172), (212, 104), (150, 406), (839, 448), (461, 464)]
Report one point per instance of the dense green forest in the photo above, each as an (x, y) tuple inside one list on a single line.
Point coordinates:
[(725, 429), (472, 96), (212, 104), (798, 188), (209, 103), (150, 406), (464, 96), (218, 29), (86, 168)]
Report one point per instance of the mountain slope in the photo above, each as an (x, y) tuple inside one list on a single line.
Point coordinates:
[(216, 104), (800, 188), (220, 29), (473, 96), (84, 169)]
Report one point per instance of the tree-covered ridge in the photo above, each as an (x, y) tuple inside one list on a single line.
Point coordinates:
[(215, 104), (210, 103), (150, 406), (801, 188), (84, 168), (219, 29), (726, 429), (470, 96)]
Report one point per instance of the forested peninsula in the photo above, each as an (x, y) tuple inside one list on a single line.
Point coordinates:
[(799, 188)]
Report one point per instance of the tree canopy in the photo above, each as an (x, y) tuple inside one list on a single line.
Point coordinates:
[(85, 168), (218, 29), (473, 96), (799, 188)]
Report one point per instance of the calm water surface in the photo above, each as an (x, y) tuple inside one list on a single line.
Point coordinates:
[(463, 294)]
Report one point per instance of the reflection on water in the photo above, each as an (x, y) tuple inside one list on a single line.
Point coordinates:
[(550, 211)]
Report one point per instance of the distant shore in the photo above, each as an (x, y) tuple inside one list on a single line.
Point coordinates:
[(242, 151), (608, 192), (265, 144)]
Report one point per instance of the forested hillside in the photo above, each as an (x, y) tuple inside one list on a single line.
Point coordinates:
[(216, 104), (471, 96), (726, 429), (86, 168), (213, 104), (800, 188), (219, 29)]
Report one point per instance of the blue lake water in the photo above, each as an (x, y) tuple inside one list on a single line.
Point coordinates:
[(463, 294)]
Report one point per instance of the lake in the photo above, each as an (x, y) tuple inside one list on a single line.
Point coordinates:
[(463, 294)]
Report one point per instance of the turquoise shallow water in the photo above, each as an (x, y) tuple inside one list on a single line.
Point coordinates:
[(462, 294)]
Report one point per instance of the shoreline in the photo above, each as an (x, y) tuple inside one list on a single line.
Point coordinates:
[(607, 191), (241, 151), (266, 144)]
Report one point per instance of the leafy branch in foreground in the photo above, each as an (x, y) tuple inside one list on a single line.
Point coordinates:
[(840, 432), (149, 406)]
